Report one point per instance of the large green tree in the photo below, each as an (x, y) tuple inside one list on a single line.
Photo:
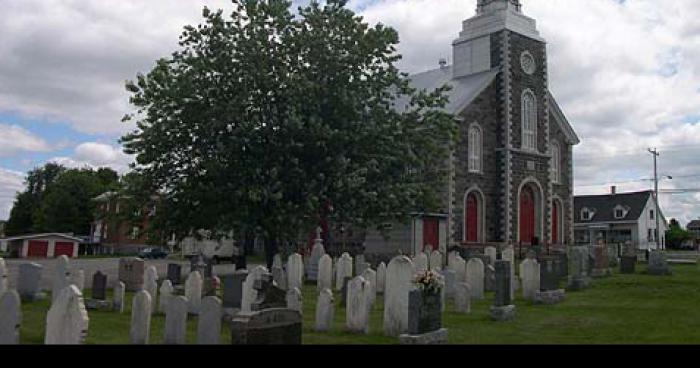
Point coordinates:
[(676, 235), (268, 120)]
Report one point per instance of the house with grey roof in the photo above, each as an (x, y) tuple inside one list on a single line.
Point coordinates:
[(694, 228), (512, 172), (619, 218)]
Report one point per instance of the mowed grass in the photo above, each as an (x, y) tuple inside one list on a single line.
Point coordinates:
[(622, 309)]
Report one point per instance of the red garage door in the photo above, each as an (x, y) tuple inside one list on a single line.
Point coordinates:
[(38, 248), (63, 248)]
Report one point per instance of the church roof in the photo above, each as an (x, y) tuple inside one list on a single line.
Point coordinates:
[(563, 122), (464, 90)]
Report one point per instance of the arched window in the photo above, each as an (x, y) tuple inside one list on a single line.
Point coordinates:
[(556, 163), (529, 118), (475, 149)]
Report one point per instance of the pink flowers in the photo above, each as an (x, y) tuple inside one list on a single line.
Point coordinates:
[(429, 281)]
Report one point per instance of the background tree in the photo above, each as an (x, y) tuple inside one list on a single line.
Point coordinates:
[(676, 235), (265, 119), (27, 203)]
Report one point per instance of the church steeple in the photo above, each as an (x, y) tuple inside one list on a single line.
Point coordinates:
[(484, 6)]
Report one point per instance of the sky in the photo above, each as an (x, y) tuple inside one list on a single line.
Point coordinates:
[(626, 74)]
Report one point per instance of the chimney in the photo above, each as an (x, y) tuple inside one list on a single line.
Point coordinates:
[(613, 190)]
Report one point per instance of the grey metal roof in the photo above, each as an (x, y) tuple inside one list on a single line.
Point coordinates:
[(695, 224), (604, 205), (464, 90)]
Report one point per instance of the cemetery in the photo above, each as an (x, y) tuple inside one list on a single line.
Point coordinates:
[(408, 301)]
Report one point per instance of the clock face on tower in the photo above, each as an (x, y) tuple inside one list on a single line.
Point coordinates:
[(527, 62)]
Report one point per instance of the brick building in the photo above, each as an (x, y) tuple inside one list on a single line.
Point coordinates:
[(114, 231), (512, 179)]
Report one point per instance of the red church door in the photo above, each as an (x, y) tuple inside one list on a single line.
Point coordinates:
[(471, 222), (527, 215), (431, 233), (555, 222)]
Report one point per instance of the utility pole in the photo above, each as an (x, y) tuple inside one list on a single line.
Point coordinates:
[(657, 235)]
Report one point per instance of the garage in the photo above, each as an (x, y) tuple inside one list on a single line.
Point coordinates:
[(38, 249), (63, 248)]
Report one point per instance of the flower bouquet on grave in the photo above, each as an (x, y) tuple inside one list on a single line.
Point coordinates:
[(430, 282)]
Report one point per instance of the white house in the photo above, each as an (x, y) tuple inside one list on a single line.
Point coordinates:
[(49, 245), (618, 218)]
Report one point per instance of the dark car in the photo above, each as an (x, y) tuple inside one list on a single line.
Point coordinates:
[(153, 253)]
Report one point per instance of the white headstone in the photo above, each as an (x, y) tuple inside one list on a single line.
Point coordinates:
[(325, 311), (118, 297), (67, 320), (460, 267), (316, 253), (277, 260), (193, 292), (78, 279), (451, 258), (436, 260), (491, 252), (371, 276), (61, 276), (420, 263), (475, 277), (463, 297), (3, 277), (450, 282), (150, 284), (176, 321), (140, 318), (295, 271), (381, 277), (530, 275), (166, 292), (358, 301), (399, 276), (294, 300), (209, 324), (343, 270), (325, 273), (10, 317), (249, 294)]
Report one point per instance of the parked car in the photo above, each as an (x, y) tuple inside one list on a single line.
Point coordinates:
[(153, 253)]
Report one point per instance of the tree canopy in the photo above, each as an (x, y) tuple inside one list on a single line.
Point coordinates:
[(269, 120)]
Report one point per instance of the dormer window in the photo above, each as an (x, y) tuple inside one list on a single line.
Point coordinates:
[(586, 214), (620, 212)]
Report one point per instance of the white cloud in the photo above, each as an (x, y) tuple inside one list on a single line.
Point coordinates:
[(96, 155), (14, 139), (11, 182)]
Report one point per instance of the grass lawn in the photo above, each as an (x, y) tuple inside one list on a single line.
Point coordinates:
[(622, 309)]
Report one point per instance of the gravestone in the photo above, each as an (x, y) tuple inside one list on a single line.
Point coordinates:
[(502, 309), (176, 320), (508, 254), (399, 275), (549, 277), (420, 263), (613, 256), (627, 264), (118, 297), (3, 277), (295, 271), (578, 268), (28, 284), (67, 320), (462, 297), (317, 252), (450, 277), (276, 326), (381, 278), (99, 286), (360, 264), (436, 260), (601, 265), (325, 273), (131, 273), (10, 317), (193, 292), (166, 293), (279, 275), (277, 260), (209, 323), (78, 279), (211, 286), (233, 289), (371, 276), (61, 276), (150, 285), (491, 252), (174, 273), (344, 292), (198, 263), (489, 278), (475, 277), (294, 300), (250, 293), (530, 274), (267, 294), (424, 319), (343, 269), (358, 302), (459, 265), (658, 264), (325, 311), (140, 318)]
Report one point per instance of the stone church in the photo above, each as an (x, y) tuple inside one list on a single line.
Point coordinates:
[(512, 174)]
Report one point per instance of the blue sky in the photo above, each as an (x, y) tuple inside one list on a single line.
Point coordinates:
[(624, 72)]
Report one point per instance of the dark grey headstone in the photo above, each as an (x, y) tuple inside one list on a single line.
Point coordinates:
[(268, 295), (174, 273), (233, 288), (277, 326), (424, 312), (99, 286), (344, 292), (28, 284), (489, 278), (658, 264), (549, 277), (503, 283), (131, 272), (627, 264)]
